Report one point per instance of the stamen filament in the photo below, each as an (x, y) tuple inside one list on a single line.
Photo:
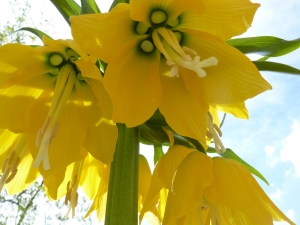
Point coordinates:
[(215, 136)]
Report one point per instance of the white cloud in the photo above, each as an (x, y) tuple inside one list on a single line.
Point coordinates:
[(271, 159), (291, 148), (276, 195)]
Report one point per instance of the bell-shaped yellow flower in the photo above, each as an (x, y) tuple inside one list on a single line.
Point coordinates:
[(16, 160), (230, 193), (55, 94), (172, 55)]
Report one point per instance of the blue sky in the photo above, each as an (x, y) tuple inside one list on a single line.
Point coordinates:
[(269, 141)]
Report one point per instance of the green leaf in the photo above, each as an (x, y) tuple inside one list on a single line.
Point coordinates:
[(36, 32), (89, 7), (229, 154), (265, 45), (67, 8), (158, 153), (115, 2), (275, 67)]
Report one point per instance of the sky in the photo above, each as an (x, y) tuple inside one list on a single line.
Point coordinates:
[(269, 140)]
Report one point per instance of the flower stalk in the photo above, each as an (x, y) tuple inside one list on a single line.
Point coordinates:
[(122, 198)]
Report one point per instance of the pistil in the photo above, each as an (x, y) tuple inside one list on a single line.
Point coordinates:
[(49, 131), (167, 43)]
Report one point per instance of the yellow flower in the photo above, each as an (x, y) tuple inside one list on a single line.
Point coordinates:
[(171, 56), (55, 94), (224, 187), (16, 161)]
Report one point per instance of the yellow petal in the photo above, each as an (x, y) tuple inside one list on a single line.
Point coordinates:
[(232, 188), (101, 136), (67, 146), (132, 80), (102, 96), (185, 114), (233, 80), (95, 35), (144, 177), (16, 103), (89, 69), (187, 188), (141, 10), (90, 177), (223, 19), (25, 176), (19, 62), (163, 175), (239, 110)]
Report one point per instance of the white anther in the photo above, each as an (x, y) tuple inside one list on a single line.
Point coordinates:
[(189, 50)]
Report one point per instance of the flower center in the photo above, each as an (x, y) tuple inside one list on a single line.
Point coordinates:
[(56, 59), (11, 163), (147, 46), (167, 43), (158, 17), (49, 131)]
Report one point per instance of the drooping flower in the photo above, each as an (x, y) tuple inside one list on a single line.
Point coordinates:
[(55, 94), (171, 55), (16, 161), (226, 189)]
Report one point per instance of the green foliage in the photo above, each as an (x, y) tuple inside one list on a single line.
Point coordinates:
[(267, 46), (276, 67), (88, 7), (67, 8)]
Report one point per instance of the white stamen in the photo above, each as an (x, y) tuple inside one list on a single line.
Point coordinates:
[(215, 136), (189, 50)]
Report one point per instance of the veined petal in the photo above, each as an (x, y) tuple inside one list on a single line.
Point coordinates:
[(102, 96), (94, 33), (19, 62), (224, 18), (102, 134), (163, 175), (67, 146), (183, 112), (193, 175), (89, 69), (90, 177), (233, 80), (133, 77), (16, 103), (25, 176), (275, 212), (232, 188), (239, 110), (144, 180)]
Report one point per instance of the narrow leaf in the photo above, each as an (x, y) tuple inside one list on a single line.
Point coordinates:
[(36, 32), (67, 8), (229, 154), (89, 7), (275, 67), (265, 45), (158, 153)]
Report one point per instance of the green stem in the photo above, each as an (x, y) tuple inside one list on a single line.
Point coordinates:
[(122, 199)]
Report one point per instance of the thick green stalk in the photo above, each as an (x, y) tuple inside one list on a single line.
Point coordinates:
[(122, 198)]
